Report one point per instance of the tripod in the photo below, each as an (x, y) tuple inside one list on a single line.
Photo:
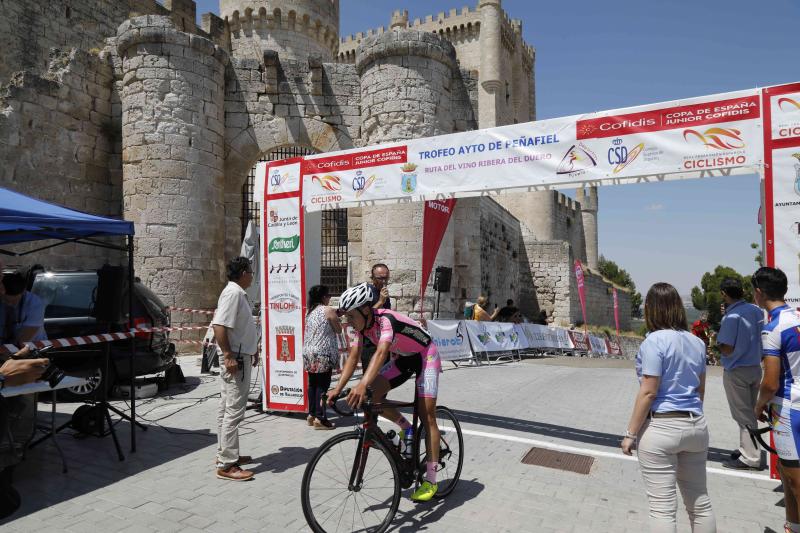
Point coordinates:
[(105, 407)]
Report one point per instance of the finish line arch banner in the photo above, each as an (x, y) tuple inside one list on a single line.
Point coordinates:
[(742, 132), (710, 135)]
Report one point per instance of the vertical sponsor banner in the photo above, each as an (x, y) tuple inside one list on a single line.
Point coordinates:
[(283, 287), (451, 339), (616, 309), (581, 289), (782, 183), (435, 219), (781, 197)]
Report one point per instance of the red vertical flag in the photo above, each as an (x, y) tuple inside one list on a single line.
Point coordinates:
[(616, 309), (435, 219), (581, 290)]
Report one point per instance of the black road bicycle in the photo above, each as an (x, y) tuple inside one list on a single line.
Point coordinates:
[(353, 481)]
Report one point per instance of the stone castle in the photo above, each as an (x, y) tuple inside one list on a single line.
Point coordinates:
[(128, 108)]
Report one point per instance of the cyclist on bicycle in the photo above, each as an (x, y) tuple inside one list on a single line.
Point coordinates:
[(404, 349)]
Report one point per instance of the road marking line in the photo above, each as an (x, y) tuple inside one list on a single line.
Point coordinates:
[(599, 453)]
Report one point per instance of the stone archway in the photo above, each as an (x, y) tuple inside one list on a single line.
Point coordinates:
[(266, 134)]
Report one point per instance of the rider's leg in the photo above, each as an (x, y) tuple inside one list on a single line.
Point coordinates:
[(380, 388), (427, 412)]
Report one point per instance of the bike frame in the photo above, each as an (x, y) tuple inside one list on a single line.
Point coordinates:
[(370, 432)]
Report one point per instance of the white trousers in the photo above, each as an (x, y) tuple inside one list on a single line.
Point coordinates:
[(672, 452)]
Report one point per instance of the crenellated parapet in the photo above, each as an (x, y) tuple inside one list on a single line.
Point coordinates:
[(295, 28), (455, 25)]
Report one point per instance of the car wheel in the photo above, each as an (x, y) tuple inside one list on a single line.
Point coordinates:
[(88, 391)]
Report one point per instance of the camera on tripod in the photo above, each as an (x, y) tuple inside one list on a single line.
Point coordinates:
[(52, 374)]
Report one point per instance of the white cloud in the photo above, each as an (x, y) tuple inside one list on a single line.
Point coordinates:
[(654, 207)]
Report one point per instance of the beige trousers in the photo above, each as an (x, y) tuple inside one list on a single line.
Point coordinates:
[(741, 387), (232, 403), (672, 451)]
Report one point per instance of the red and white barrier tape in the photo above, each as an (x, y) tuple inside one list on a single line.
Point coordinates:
[(95, 339), (190, 310)]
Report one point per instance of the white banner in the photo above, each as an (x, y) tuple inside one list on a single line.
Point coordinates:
[(598, 344), (539, 336), (782, 184), (671, 140), (283, 289), (493, 336), (450, 337)]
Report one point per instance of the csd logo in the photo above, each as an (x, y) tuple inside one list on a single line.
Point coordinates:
[(275, 179), (359, 182), (618, 153)]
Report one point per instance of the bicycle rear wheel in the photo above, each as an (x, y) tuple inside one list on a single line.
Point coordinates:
[(451, 451), (329, 505)]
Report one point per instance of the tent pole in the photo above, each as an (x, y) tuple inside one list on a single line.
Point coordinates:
[(133, 343)]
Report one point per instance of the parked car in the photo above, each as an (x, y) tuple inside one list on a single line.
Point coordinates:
[(70, 297)]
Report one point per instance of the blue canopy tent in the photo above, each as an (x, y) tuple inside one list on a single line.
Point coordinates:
[(25, 219)]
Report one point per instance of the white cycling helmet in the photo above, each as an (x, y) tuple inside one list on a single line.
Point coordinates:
[(355, 297)]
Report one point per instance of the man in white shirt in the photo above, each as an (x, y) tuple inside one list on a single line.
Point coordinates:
[(237, 343)]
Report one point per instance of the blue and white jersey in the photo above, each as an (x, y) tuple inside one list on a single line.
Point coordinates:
[(781, 338)]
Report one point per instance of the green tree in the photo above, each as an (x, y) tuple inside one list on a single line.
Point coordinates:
[(707, 297), (619, 276), (759, 257)]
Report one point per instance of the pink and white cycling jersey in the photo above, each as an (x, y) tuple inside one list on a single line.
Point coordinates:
[(405, 336)]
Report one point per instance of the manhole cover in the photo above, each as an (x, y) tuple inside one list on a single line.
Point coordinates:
[(572, 462)]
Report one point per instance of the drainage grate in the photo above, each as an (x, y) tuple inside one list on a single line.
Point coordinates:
[(572, 462)]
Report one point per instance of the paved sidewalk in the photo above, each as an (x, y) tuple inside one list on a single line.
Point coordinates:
[(169, 484)]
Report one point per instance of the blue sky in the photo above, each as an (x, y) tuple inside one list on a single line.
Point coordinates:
[(592, 56)]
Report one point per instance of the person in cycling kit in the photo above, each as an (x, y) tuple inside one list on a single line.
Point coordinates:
[(779, 395), (404, 349)]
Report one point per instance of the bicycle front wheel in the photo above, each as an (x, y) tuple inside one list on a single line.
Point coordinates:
[(330, 504), (451, 451)]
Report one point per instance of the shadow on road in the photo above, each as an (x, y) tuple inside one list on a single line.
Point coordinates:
[(715, 455), (282, 460), (428, 514)]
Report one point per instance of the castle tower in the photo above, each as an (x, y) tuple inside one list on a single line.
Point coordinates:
[(296, 29), (172, 98), (490, 74), (406, 77), (588, 201)]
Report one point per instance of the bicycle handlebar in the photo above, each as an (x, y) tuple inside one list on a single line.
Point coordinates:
[(755, 436)]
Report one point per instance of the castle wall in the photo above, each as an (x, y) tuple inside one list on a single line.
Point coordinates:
[(29, 29), (500, 238), (58, 142)]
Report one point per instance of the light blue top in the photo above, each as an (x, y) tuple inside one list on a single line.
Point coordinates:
[(679, 359), (29, 312), (741, 328)]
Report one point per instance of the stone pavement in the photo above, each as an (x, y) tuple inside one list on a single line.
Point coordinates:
[(169, 485)]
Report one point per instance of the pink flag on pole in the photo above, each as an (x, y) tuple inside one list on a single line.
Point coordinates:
[(581, 290)]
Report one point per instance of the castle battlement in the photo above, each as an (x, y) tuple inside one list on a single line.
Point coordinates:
[(453, 25), (297, 20)]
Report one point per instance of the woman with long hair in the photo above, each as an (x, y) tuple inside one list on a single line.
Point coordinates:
[(667, 424), (320, 353)]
